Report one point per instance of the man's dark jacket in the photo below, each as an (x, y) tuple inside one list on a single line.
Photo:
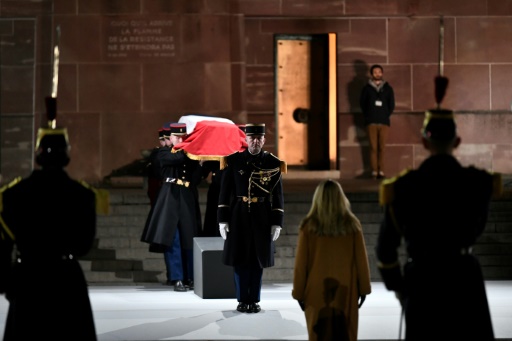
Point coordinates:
[(370, 96)]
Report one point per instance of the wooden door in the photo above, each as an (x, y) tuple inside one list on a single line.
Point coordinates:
[(306, 101), (293, 79)]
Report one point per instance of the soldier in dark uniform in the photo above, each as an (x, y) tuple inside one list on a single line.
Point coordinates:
[(156, 174), (439, 210), (250, 214), (173, 224), (50, 220)]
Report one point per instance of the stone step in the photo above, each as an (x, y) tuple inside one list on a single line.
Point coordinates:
[(119, 257)]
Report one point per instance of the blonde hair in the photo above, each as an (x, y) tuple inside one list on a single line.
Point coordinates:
[(330, 213)]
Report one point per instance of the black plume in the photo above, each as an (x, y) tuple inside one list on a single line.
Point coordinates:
[(51, 108), (441, 84)]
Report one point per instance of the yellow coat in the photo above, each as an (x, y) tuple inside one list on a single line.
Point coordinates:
[(330, 273)]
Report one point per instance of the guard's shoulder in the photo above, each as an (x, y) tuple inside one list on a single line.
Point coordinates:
[(282, 163), (495, 178), (102, 197), (13, 183), (9, 185), (225, 160), (387, 187)]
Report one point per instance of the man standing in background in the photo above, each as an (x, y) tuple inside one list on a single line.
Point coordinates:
[(377, 103)]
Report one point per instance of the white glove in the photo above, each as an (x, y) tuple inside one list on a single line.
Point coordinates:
[(276, 230), (224, 229)]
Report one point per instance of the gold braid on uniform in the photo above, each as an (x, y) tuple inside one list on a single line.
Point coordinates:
[(284, 167), (387, 189), (435, 114), (5, 231), (262, 177), (203, 157), (223, 161)]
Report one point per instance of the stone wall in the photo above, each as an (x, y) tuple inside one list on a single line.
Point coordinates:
[(128, 66)]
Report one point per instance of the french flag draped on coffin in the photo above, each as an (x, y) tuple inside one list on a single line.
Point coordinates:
[(211, 138)]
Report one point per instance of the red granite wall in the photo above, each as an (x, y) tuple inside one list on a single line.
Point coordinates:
[(127, 66), (403, 36)]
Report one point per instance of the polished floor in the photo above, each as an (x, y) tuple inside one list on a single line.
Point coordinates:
[(155, 312)]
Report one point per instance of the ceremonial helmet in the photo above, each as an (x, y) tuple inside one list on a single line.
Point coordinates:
[(52, 145), (439, 125)]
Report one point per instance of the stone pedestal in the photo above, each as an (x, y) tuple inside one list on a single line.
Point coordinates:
[(212, 279)]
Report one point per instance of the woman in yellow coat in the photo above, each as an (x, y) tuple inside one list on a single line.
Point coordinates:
[(332, 274)]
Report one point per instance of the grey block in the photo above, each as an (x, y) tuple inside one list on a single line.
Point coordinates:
[(212, 279)]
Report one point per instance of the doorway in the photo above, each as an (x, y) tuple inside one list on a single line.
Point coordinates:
[(306, 104)]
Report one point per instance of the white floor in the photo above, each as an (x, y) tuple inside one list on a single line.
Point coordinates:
[(155, 312)]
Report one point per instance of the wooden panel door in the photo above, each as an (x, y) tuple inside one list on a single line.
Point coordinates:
[(293, 91), (306, 101)]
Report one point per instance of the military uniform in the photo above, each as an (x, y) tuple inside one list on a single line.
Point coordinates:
[(439, 210), (50, 220), (251, 201), (173, 222), (175, 206)]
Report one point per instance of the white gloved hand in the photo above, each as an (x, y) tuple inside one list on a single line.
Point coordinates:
[(276, 230), (224, 229)]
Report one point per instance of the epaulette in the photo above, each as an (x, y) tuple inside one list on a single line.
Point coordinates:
[(102, 198), (283, 166), (9, 185), (223, 161), (381, 265), (387, 188)]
